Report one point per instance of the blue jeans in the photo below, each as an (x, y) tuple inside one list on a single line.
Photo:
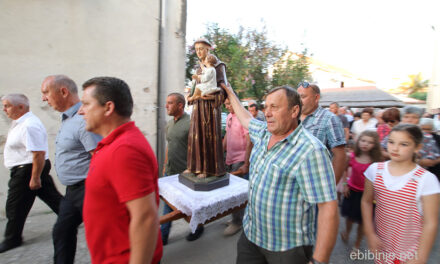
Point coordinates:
[(166, 227)]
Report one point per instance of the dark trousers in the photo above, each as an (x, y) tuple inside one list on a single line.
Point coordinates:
[(249, 253), (21, 198), (66, 226)]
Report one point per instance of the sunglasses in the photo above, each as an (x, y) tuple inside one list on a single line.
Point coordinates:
[(391, 121), (303, 84)]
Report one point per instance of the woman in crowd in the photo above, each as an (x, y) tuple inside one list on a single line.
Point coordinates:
[(391, 117), (365, 123)]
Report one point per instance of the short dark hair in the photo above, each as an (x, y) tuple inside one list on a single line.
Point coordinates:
[(315, 88), (179, 98), (368, 110), (293, 97), (391, 114), (334, 103), (112, 89), (253, 105)]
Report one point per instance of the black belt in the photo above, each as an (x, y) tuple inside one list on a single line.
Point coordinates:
[(20, 166), (24, 165)]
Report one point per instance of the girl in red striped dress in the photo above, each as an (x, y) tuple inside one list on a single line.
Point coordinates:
[(407, 202)]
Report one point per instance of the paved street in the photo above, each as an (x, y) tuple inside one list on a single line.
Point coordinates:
[(212, 247)]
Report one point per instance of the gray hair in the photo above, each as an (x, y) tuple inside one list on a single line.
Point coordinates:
[(412, 110), (16, 99), (60, 80), (426, 122)]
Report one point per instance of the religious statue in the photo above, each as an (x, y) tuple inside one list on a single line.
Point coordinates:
[(205, 150)]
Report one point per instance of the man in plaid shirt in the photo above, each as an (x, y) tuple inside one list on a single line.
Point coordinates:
[(290, 172), (323, 125)]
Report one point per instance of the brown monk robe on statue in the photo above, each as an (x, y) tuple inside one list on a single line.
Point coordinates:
[(205, 150)]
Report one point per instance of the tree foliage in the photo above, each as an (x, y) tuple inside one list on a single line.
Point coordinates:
[(291, 69), (414, 84), (249, 55), (419, 95)]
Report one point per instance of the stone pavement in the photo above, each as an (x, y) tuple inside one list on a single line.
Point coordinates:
[(211, 248)]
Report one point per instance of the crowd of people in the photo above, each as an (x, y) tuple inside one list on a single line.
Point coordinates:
[(385, 151), (297, 157), (305, 165)]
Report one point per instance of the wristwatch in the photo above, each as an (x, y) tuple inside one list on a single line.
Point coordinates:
[(317, 262)]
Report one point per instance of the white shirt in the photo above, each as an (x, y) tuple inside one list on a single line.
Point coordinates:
[(349, 118), (25, 135), (428, 183), (359, 126)]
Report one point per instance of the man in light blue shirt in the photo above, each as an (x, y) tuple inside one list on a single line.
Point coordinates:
[(74, 146)]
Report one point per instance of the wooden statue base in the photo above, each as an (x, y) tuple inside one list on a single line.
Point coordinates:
[(191, 181)]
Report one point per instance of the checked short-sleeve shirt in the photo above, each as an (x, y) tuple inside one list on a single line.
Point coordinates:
[(285, 183), (326, 126)]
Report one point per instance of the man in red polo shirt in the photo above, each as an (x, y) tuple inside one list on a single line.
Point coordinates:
[(121, 199)]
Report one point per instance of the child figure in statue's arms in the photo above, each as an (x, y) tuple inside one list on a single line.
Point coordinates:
[(208, 80)]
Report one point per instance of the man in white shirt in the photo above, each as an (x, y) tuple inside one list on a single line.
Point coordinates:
[(26, 156)]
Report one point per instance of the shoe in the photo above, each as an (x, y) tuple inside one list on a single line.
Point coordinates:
[(194, 236), (231, 229), (8, 246), (228, 222)]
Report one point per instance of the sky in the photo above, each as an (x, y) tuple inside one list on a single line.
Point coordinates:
[(383, 41)]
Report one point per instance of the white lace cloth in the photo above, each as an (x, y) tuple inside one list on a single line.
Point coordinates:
[(202, 206)]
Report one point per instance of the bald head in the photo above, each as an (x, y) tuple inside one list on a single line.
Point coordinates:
[(58, 81), (60, 92)]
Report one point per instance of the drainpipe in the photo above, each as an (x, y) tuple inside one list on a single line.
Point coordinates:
[(171, 62), (160, 138)]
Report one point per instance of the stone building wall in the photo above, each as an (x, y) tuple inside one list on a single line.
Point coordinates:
[(85, 39)]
